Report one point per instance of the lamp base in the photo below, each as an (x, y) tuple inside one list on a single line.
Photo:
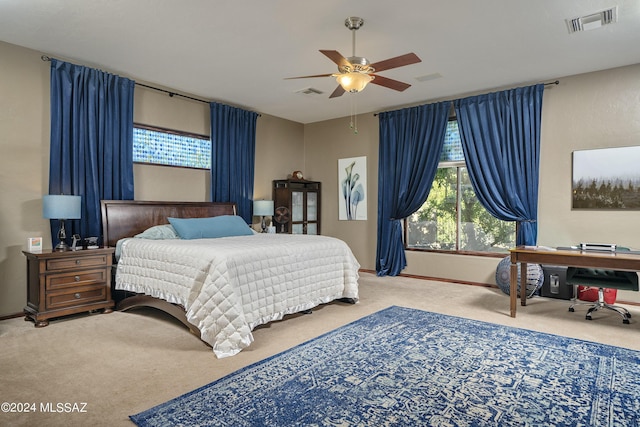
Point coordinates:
[(62, 246), (62, 234)]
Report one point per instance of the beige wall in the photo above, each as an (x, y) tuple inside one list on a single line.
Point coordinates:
[(594, 110), (587, 111), (24, 165), (24, 159), (325, 143), (153, 182), (279, 149)]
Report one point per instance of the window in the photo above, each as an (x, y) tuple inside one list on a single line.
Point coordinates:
[(452, 218), (171, 148)]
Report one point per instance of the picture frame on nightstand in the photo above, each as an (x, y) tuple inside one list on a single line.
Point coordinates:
[(34, 244)]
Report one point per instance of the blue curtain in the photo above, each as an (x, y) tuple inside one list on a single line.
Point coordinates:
[(500, 135), (411, 141), (91, 149), (233, 143)]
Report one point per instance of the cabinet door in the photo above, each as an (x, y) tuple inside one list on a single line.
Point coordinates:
[(297, 212), (302, 199), (312, 212)]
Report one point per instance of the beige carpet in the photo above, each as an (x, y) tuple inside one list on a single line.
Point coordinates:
[(123, 363)]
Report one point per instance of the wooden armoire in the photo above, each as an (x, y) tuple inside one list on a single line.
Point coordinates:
[(297, 206)]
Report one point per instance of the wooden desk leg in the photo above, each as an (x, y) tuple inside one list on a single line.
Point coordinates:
[(513, 286), (523, 283)]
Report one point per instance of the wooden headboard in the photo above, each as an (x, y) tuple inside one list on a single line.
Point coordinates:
[(126, 218)]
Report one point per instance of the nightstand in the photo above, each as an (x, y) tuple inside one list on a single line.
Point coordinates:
[(60, 283)]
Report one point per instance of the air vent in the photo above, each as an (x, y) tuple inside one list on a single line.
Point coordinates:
[(593, 21), (310, 91), (428, 77)]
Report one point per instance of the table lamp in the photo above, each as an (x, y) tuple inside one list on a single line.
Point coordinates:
[(263, 208), (61, 207)]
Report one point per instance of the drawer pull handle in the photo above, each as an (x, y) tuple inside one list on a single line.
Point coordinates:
[(77, 295), (78, 261), (77, 278)]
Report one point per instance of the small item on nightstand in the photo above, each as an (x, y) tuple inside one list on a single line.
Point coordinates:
[(91, 243), (74, 243), (34, 244)]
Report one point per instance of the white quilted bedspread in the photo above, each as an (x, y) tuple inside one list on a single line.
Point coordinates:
[(230, 285)]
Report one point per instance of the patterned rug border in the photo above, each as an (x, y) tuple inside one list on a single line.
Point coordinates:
[(602, 414)]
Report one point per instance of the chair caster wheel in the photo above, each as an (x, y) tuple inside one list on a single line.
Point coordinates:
[(588, 317), (628, 314), (625, 321), (571, 309)]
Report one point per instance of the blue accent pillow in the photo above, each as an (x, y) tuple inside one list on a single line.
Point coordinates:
[(159, 232), (203, 228)]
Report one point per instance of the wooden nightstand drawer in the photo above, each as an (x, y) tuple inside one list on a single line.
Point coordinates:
[(75, 296), (81, 277), (60, 283), (80, 262)]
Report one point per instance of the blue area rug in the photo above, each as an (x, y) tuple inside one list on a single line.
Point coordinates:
[(406, 367)]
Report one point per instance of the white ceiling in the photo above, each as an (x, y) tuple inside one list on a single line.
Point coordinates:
[(239, 52)]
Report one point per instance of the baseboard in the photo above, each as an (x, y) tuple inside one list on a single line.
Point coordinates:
[(464, 282), (11, 316), (437, 279), (412, 276)]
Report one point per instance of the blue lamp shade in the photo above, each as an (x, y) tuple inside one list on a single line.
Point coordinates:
[(61, 207), (263, 207)]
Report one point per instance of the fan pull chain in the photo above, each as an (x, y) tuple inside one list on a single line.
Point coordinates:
[(354, 114)]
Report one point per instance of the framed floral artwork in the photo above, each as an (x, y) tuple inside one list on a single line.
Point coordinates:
[(352, 188)]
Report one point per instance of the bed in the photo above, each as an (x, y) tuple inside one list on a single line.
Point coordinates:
[(221, 287)]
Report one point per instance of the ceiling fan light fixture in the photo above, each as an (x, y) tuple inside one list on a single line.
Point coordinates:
[(355, 72), (353, 82)]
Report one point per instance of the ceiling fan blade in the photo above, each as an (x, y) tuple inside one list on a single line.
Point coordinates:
[(338, 92), (390, 83), (308, 77), (398, 61), (336, 57)]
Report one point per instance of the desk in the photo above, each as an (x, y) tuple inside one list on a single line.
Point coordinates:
[(577, 258)]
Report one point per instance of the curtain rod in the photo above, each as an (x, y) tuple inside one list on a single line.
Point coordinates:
[(557, 82), (171, 94)]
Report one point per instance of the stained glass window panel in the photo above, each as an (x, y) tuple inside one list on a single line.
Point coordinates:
[(452, 150), (171, 149)]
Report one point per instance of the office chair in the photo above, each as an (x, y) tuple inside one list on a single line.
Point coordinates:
[(623, 280)]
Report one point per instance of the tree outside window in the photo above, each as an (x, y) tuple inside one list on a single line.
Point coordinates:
[(452, 218)]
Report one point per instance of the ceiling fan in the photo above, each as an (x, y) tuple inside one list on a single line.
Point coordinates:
[(355, 72)]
